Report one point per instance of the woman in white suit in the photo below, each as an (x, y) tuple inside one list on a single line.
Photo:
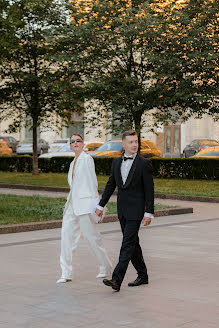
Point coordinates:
[(77, 216)]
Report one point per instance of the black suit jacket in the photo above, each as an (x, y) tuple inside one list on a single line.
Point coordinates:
[(136, 196)]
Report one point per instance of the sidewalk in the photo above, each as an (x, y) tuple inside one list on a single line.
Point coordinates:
[(183, 263), (61, 191)]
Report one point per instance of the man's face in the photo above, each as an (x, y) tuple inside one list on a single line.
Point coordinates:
[(77, 145), (130, 144)]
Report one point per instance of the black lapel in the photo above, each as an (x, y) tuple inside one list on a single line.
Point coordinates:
[(119, 170), (131, 172)]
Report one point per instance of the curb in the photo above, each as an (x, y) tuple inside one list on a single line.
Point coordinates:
[(33, 187), (157, 195), (54, 224), (188, 198)]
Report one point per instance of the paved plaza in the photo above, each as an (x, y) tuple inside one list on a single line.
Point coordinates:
[(182, 254)]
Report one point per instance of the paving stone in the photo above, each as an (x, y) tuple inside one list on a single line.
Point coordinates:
[(183, 265)]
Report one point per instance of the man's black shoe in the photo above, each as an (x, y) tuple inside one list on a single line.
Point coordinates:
[(112, 284), (138, 281)]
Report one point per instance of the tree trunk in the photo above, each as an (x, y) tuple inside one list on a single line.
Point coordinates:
[(35, 156), (35, 116), (137, 119)]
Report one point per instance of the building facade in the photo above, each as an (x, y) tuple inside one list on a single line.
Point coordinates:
[(171, 139)]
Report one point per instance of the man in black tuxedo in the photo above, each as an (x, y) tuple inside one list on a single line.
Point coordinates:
[(132, 174)]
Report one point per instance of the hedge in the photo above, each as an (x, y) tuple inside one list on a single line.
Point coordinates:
[(184, 168)]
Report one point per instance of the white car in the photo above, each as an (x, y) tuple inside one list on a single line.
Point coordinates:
[(67, 151), (25, 147), (57, 144), (64, 151)]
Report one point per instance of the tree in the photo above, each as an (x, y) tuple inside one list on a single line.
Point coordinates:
[(142, 59), (185, 43), (36, 80), (121, 76), (5, 28)]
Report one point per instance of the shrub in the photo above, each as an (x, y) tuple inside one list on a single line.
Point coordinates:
[(184, 168), (16, 163)]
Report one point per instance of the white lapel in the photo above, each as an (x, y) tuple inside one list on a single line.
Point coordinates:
[(70, 173), (77, 166)]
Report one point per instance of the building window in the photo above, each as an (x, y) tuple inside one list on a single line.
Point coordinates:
[(168, 140), (176, 139)]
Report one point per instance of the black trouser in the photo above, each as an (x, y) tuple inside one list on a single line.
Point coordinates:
[(130, 251)]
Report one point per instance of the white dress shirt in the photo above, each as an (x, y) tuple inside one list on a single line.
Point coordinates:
[(125, 168)]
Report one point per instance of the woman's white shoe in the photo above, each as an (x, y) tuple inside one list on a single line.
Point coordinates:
[(62, 281), (103, 275)]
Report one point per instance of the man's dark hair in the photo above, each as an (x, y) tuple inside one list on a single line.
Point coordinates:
[(129, 133), (76, 134)]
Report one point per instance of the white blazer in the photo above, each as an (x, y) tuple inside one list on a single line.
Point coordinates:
[(83, 186)]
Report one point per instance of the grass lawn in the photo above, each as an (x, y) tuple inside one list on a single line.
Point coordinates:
[(167, 186), (21, 209), (209, 188)]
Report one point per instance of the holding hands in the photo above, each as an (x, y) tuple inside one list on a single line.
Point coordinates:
[(146, 221), (99, 213)]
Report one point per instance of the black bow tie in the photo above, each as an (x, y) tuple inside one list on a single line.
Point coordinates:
[(125, 158)]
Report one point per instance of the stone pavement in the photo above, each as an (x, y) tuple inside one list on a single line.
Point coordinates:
[(182, 254), (23, 192)]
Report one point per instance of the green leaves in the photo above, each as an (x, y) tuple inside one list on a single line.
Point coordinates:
[(40, 76), (189, 47), (121, 60)]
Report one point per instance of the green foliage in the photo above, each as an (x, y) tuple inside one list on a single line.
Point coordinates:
[(186, 168), (130, 59), (55, 164), (174, 168), (24, 209), (120, 66), (30, 209), (185, 46), (208, 188), (7, 37), (149, 55), (16, 163), (24, 164), (42, 179), (38, 85)]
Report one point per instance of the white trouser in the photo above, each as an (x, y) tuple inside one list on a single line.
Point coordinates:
[(72, 226)]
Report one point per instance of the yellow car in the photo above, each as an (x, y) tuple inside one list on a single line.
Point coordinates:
[(91, 146), (4, 149), (114, 148), (211, 152), (148, 147)]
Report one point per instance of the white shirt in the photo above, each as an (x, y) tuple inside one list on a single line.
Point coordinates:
[(125, 168)]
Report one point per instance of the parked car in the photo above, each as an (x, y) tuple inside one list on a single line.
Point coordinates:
[(114, 148), (67, 151), (91, 146), (11, 141), (149, 149), (198, 144), (25, 147), (57, 144), (211, 152), (64, 151), (5, 149)]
